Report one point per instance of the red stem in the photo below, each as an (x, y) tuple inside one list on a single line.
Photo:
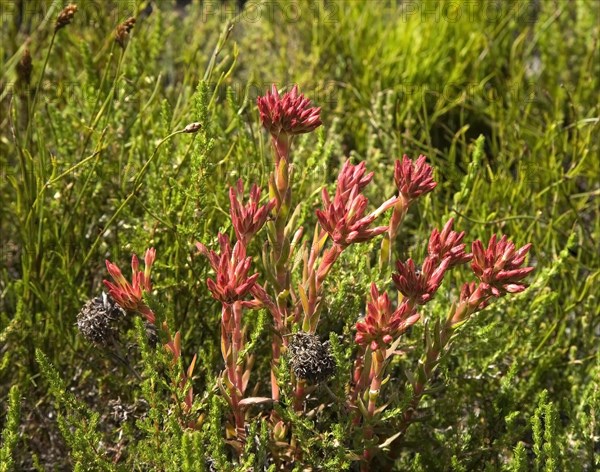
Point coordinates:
[(238, 344), (299, 395), (232, 338), (330, 256), (280, 180), (282, 145), (377, 364), (275, 345)]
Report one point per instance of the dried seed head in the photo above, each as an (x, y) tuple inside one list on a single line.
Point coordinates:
[(123, 30), (65, 16), (98, 320), (24, 68), (310, 358)]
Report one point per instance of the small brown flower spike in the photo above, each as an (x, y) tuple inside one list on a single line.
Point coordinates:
[(123, 30), (310, 358), (98, 320), (65, 16), (24, 68), (192, 127)]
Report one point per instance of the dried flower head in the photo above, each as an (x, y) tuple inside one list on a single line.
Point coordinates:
[(123, 30), (98, 320), (24, 68), (310, 358), (65, 16), (210, 464), (151, 334)]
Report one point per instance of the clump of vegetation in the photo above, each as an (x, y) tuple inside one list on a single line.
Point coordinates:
[(296, 311)]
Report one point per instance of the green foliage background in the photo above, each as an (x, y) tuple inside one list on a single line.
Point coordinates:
[(86, 178)]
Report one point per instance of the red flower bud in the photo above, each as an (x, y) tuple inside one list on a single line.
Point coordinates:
[(499, 266), (290, 113), (130, 296), (382, 324), (231, 266), (247, 219), (344, 219), (413, 179)]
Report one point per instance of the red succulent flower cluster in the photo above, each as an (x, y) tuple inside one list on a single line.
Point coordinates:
[(247, 219), (448, 243), (130, 295), (344, 219), (499, 271), (231, 266), (419, 285), (290, 113), (499, 266), (446, 250), (473, 297), (353, 176), (285, 117), (413, 179), (382, 324)]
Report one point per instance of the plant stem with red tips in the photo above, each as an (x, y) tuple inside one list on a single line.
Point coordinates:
[(498, 268)]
